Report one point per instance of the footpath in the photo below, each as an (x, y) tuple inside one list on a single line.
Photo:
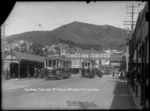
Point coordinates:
[(135, 99)]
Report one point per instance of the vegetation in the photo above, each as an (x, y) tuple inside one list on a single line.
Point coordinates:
[(83, 35)]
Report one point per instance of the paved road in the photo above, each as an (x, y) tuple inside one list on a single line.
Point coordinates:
[(74, 93)]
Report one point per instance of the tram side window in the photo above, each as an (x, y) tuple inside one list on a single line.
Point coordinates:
[(82, 64), (85, 64), (57, 63), (88, 65), (46, 63), (65, 66), (54, 63), (50, 63)]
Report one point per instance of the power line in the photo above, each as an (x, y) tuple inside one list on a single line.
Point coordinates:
[(48, 15)]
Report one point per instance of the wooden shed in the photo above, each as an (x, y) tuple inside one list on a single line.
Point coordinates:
[(22, 65)]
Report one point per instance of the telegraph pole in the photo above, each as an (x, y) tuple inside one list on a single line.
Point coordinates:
[(132, 22), (3, 45), (128, 58), (129, 30)]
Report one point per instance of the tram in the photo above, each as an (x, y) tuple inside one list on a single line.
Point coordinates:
[(87, 69), (57, 67)]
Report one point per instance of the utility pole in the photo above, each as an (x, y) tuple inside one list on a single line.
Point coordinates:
[(132, 22), (129, 30), (3, 45), (3, 34)]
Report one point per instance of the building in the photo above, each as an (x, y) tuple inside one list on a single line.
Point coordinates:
[(139, 58), (22, 65), (115, 59), (100, 58)]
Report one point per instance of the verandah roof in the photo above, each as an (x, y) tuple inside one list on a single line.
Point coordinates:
[(26, 56)]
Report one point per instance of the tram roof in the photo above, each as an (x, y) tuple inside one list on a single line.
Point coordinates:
[(58, 58)]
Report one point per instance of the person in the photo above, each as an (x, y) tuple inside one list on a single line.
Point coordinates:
[(35, 73), (38, 72), (28, 73), (121, 74), (133, 79), (128, 80), (41, 73), (7, 73), (113, 73), (118, 74)]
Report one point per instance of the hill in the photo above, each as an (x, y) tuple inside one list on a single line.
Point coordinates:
[(78, 34)]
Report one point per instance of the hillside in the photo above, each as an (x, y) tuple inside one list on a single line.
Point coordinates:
[(77, 34)]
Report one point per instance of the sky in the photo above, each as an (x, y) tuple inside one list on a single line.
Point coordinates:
[(46, 16)]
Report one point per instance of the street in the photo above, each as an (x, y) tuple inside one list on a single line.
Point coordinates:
[(74, 93)]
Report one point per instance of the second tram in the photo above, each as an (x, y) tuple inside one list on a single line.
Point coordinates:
[(87, 69)]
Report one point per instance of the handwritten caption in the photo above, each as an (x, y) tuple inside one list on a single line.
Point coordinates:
[(61, 89)]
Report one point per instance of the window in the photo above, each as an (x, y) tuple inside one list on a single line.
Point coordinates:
[(88, 64), (50, 63), (54, 63), (82, 64), (46, 63)]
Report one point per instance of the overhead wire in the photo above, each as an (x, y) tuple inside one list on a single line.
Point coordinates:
[(51, 17), (48, 15)]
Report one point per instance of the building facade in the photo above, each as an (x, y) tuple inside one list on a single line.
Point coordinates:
[(100, 58), (139, 58)]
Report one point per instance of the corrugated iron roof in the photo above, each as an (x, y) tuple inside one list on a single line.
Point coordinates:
[(26, 56)]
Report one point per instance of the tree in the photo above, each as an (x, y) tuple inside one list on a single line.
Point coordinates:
[(57, 48), (37, 49)]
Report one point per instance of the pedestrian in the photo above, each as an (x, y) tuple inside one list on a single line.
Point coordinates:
[(118, 73), (41, 73), (113, 73), (7, 73), (128, 82), (121, 74), (35, 73), (38, 73), (28, 73)]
